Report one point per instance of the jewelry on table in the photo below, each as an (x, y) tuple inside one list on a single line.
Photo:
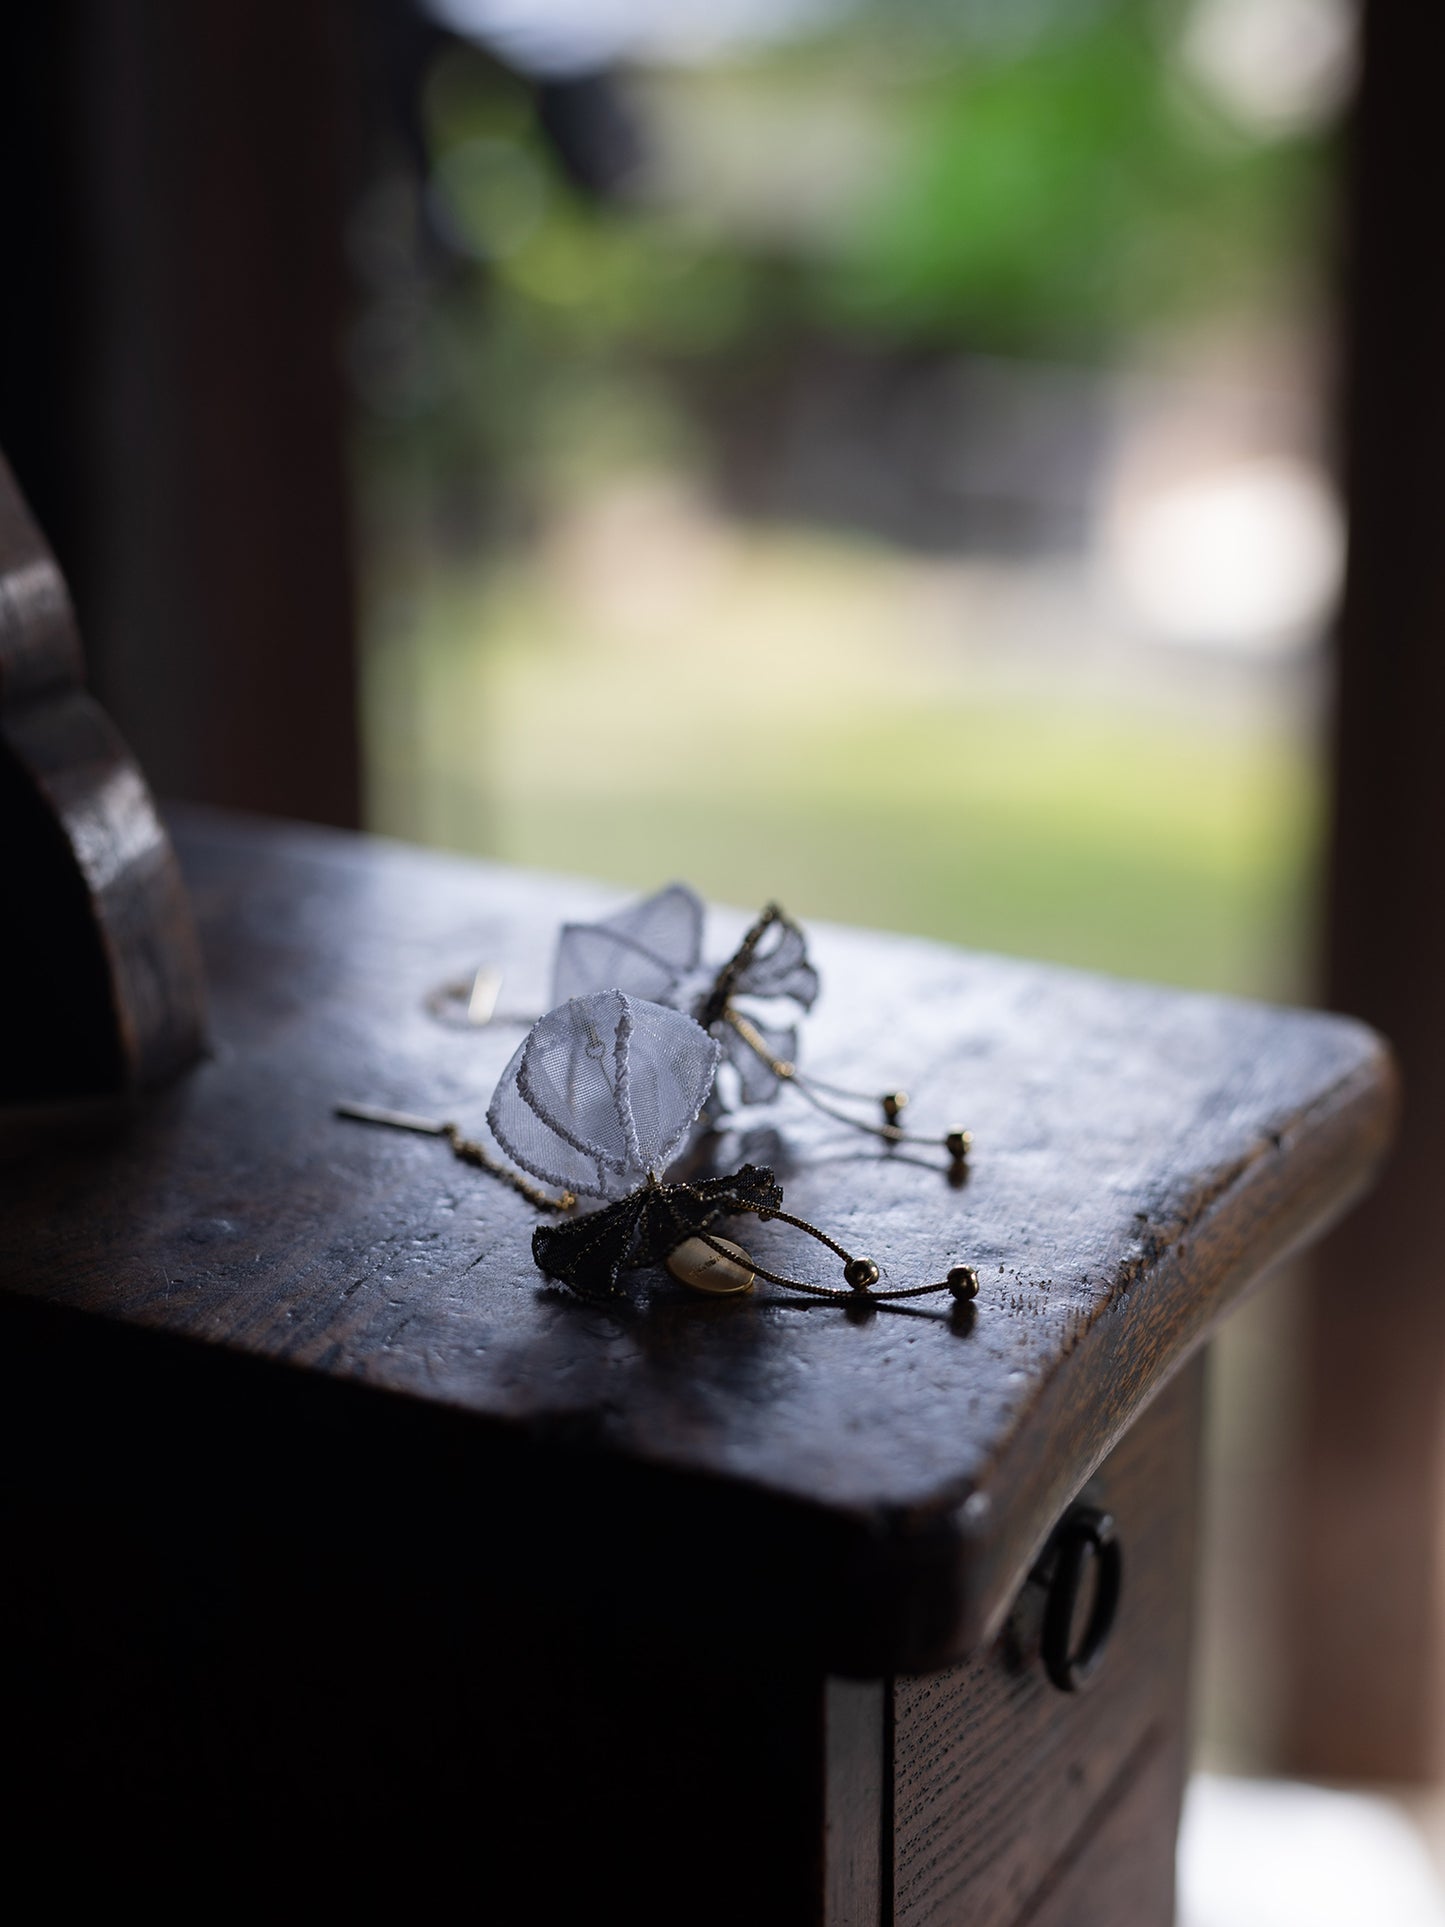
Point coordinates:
[(597, 1101), (653, 949)]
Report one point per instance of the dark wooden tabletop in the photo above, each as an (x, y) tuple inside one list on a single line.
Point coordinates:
[(1141, 1155)]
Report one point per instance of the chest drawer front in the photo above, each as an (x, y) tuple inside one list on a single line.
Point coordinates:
[(1002, 1784)]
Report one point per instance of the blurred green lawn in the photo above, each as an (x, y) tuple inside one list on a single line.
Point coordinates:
[(776, 723)]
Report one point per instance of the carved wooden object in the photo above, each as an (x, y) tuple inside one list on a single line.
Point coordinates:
[(99, 972)]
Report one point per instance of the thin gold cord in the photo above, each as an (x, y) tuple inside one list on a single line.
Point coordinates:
[(841, 1293), (717, 1002), (467, 1149), (789, 1073), (470, 1152)]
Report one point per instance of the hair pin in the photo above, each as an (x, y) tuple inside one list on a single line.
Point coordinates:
[(597, 1101)]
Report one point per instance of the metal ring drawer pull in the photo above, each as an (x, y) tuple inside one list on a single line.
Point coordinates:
[(1085, 1538)]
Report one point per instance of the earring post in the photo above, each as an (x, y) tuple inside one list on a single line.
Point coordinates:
[(398, 1120)]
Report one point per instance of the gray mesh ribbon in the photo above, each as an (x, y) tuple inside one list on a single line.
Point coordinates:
[(653, 949), (601, 1093)]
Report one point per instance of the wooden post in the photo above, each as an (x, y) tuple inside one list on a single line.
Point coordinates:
[(1363, 1649)]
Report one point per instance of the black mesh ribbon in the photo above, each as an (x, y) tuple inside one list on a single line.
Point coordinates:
[(589, 1254)]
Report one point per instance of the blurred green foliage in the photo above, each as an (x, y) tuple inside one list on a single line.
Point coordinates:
[(1055, 196), (1058, 191)]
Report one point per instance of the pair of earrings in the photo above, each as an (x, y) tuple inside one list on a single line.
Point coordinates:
[(597, 1101)]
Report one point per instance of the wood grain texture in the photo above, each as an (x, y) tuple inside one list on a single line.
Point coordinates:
[(99, 969), (1123, 1874), (1003, 1784), (1141, 1155), (856, 1806)]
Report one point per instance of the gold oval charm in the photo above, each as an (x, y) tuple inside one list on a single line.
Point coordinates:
[(722, 1274)]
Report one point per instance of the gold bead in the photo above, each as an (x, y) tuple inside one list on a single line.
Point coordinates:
[(963, 1282), (959, 1144), (893, 1103), (860, 1273)]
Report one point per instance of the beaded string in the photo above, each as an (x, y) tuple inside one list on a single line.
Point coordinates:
[(962, 1280), (957, 1143), (467, 1149), (861, 1274)]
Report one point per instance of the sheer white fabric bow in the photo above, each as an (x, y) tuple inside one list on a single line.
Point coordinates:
[(653, 950), (602, 1092)]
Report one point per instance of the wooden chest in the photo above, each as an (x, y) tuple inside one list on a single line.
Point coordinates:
[(345, 1550)]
